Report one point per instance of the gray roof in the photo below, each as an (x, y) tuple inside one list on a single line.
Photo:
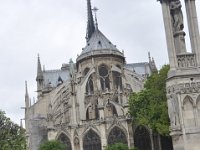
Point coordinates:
[(140, 68), (51, 77), (98, 41)]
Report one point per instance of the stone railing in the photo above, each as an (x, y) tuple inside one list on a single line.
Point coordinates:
[(186, 60)]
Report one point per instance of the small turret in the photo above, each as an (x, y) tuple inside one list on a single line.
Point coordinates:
[(26, 96), (152, 63), (39, 77), (72, 70)]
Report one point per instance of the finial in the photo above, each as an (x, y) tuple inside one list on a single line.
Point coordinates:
[(95, 9), (26, 95), (26, 88), (70, 60), (149, 55)]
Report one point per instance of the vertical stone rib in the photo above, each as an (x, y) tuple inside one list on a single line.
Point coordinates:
[(169, 35), (193, 28)]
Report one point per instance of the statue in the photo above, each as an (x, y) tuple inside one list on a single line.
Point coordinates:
[(177, 15), (173, 110)]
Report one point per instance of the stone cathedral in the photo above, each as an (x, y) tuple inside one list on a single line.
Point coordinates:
[(85, 104), (183, 84)]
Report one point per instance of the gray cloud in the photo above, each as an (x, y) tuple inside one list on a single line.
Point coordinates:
[(56, 30)]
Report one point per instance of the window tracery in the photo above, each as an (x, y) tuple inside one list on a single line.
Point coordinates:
[(86, 70), (117, 80), (91, 141), (90, 86), (142, 138), (104, 77), (110, 110), (92, 112), (116, 135), (65, 140)]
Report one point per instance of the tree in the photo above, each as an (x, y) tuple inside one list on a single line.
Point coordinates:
[(149, 107), (52, 145), (118, 146), (12, 136)]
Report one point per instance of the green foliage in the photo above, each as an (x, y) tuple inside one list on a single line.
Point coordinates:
[(12, 137), (149, 107), (52, 145), (119, 146)]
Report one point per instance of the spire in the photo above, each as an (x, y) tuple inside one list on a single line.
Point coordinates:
[(152, 63), (39, 68), (39, 77), (149, 54), (26, 95), (90, 23)]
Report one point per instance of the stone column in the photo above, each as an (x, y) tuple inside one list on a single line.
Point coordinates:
[(169, 34), (193, 28)]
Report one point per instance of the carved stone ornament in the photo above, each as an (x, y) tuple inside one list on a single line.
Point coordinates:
[(176, 15), (184, 88)]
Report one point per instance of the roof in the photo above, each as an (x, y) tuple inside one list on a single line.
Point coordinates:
[(98, 41), (142, 68), (97, 45)]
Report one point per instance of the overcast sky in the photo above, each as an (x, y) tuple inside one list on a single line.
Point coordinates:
[(56, 30)]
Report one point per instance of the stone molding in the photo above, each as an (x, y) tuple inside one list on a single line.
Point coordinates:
[(184, 88)]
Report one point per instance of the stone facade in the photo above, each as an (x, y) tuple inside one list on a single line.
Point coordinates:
[(183, 83), (85, 104)]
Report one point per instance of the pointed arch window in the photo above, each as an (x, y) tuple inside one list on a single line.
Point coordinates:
[(86, 70), (104, 77), (117, 80), (90, 86), (91, 141), (116, 135), (110, 110), (142, 138), (92, 112), (65, 140)]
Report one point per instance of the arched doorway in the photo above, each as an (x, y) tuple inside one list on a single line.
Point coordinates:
[(142, 138), (116, 135), (65, 140), (91, 141)]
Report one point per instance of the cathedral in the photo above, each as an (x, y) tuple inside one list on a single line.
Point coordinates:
[(84, 104)]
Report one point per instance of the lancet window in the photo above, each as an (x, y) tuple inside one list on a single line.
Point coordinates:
[(104, 77), (90, 86), (86, 70), (92, 112), (117, 80), (65, 140), (142, 138), (91, 141), (110, 110), (117, 136)]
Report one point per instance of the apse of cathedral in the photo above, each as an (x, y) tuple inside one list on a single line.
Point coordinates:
[(85, 103)]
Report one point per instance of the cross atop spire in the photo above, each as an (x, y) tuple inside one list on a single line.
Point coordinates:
[(95, 9), (90, 23)]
